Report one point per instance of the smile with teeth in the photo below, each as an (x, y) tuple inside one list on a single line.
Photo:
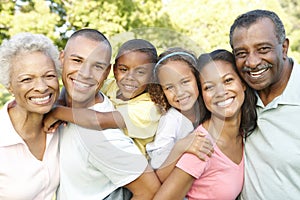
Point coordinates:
[(183, 100), (257, 73), (40, 100), (225, 103), (130, 87), (80, 84)]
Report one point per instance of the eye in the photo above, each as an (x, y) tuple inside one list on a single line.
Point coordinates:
[(100, 67), (240, 54), (25, 80), (264, 49), (168, 87), (207, 87), (76, 60), (141, 72), (122, 69), (51, 76), (228, 80), (186, 82)]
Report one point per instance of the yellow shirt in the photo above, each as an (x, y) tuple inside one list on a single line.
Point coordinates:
[(140, 114)]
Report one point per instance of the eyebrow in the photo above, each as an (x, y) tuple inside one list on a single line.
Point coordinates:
[(75, 55), (228, 73), (97, 62)]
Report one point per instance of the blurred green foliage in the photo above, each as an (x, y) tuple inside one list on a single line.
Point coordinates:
[(200, 26)]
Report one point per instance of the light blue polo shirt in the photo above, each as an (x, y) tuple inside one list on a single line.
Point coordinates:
[(272, 152)]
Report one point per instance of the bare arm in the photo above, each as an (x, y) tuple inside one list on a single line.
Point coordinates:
[(175, 186), (145, 186), (194, 143), (84, 117)]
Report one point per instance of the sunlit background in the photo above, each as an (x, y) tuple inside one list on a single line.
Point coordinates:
[(198, 25)]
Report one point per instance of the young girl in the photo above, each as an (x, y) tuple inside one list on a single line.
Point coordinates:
[(136, 114), (228, 116), (177, 95)]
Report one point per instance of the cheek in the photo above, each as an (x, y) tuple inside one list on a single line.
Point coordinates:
[(143, 81), (239, 64), (207, 97), (169, 95), (56, 85), (118, 76), (196, 89)]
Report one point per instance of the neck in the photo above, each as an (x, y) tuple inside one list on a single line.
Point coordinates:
[(276, 89), (223, 128), (26, 124), (98, 98), (193, 115)]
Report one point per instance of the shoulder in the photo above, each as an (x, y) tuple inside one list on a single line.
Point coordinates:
[(105, 106), (109, 87)]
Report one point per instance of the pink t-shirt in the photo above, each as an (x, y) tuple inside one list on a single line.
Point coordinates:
[(217, 178), (22, 176)]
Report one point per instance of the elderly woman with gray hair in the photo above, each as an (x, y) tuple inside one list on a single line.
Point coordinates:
[(29, 168)]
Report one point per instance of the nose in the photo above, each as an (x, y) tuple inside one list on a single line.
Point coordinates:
[(85, 70), (129, 75), (41, 85), (221, 90), (253, 60), (179, 90)]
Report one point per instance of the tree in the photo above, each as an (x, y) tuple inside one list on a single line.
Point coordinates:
[(199, 26), (32, 16), (208, 22), (292, 8), (6, 13)]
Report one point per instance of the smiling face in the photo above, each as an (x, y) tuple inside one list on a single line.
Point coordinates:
[(34, 82), (179, 85), (222, 89), (259, 56), (86, 64), (133, 72)]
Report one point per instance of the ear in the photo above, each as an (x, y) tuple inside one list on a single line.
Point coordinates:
[(10, 90), (285, 47), (115, 69), (107, 70), (62, 57), (244, 87)]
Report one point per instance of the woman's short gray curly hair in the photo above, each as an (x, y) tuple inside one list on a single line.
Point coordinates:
[(24, 43)]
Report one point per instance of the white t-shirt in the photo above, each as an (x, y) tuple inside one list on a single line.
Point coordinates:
[(22, 176), (95, 163), (172, 126)]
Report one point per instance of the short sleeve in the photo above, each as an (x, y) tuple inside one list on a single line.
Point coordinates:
[(141, 117), (192, 165), (111, 152), (172, 127)]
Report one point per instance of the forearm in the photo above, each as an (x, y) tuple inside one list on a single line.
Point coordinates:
[(89, 118), (145, 186), (175, 186), (195, 143), (170, 163)]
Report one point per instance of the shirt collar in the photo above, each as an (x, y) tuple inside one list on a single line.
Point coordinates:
[(290, 95), (8, 135)]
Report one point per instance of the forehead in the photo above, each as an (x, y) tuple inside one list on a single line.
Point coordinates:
[(87, 48), (261, 31), (178, 66), (33, 62), (174, 70), (216, 69), (134, 59)]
